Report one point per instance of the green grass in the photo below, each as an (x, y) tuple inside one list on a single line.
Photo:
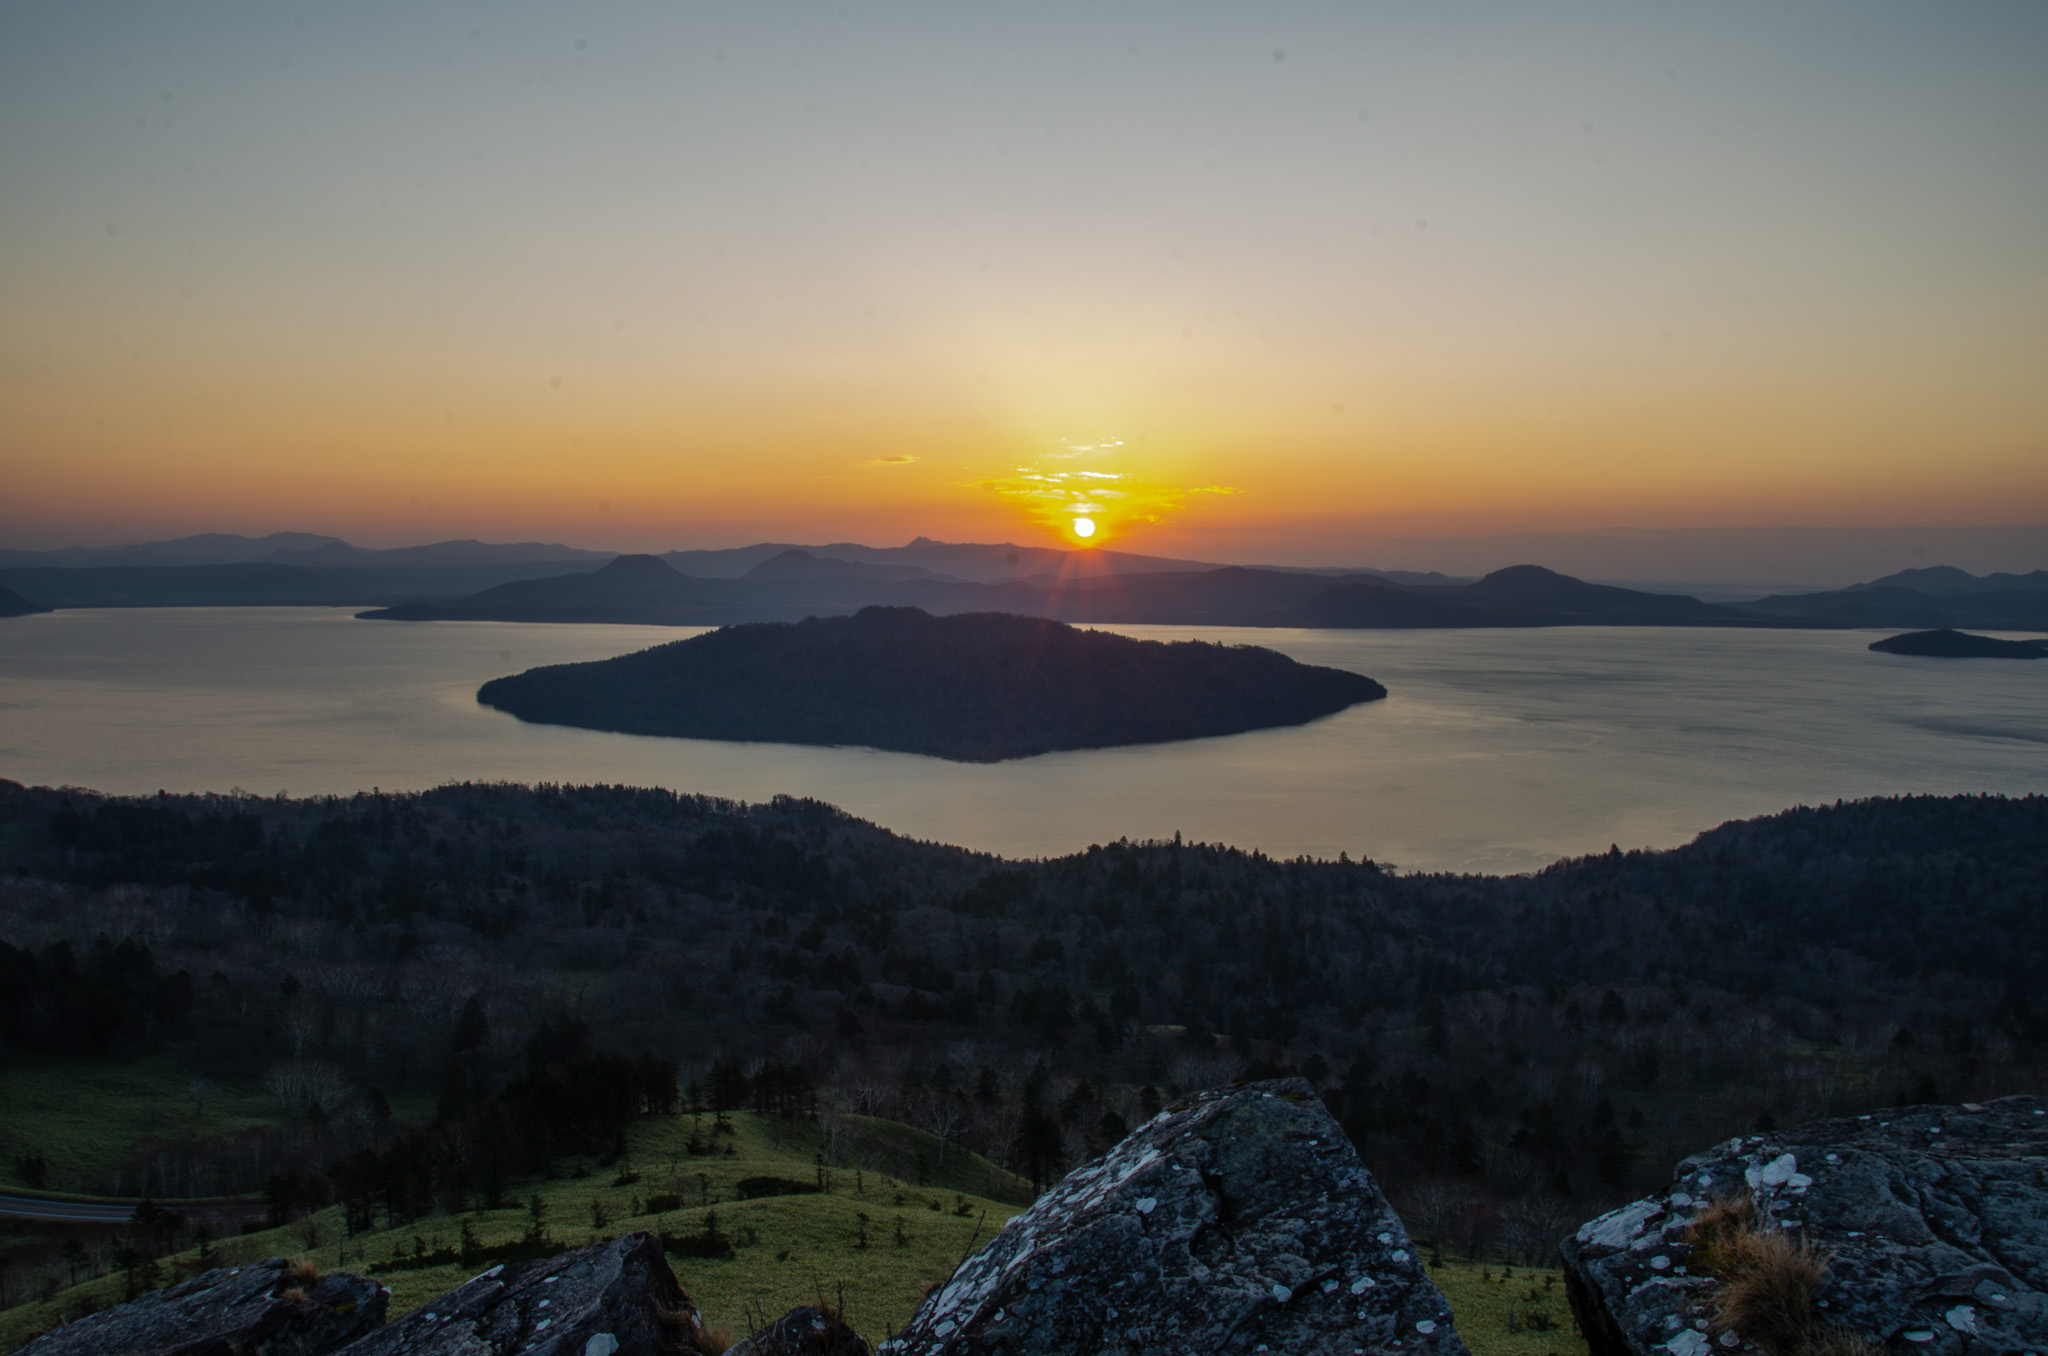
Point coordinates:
[(87, 1117), (1501, 1309), (789, 1249)]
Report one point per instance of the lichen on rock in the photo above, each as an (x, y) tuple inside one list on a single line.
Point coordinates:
[(1240, 1220), (1932, 1223), (268, 1308)]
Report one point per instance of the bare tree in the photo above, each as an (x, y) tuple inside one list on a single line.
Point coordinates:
[(1535, 1225), (1432, 1210), (939, 1116), (306, 1086)]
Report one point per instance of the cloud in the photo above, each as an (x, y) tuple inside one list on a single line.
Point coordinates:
[(898, 460)]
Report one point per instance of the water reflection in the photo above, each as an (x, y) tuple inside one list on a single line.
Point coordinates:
[(1496, 750)]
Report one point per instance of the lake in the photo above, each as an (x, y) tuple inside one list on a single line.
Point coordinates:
[(1496, 750)]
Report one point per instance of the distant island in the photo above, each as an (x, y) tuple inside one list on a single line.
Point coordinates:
[(1948, 644), (975, 687)]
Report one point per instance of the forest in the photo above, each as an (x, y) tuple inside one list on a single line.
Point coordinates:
[(532, 967)]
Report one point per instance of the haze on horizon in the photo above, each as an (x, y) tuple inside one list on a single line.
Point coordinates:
[(1287, 283)]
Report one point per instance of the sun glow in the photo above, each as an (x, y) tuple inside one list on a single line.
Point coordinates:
[(1091, 503)]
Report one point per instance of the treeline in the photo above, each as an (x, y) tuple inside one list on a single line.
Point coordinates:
[(1508, 1043), (481, 1142), (104, 998)]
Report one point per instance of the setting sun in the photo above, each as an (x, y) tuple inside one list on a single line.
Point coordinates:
[(1084, 527)]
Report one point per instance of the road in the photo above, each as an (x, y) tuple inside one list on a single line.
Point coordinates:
[(25, 1205), (15, 1206)]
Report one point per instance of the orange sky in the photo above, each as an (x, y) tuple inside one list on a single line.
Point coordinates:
[(720, 276)]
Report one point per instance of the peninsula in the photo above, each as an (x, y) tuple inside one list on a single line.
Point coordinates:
[(1948, 644), (974, 687)]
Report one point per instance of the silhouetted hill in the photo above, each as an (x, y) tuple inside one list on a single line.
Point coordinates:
[(1947, 644), (794, 584), (979, 687), (259, 584), (1947, 579), (1558, 599), (630, 589), (467, 552), (796, 564), (13, 604), (1943, 601), (298, 548), (207, 548)]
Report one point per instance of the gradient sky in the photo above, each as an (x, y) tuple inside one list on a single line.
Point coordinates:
[(1304, 277)]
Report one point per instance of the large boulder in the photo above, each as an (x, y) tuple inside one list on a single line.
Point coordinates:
[(609, 1299), (269, 1308), (1933, 1220), (803, 1331), (1241, 1220)]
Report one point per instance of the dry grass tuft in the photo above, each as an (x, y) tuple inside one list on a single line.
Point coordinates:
[(1727, 1216), (1765, 1282), (305, 1271), (687, 1331), (1841, 1342), (707, 1341), (292, 1295), (1768, 1282)]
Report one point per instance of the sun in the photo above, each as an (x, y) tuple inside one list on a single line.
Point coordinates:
[(1084, 527)]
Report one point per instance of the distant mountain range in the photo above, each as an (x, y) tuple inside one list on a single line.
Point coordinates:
[(286, 568), (773, 581), (1935, 598), (294, 548), (797, 584)]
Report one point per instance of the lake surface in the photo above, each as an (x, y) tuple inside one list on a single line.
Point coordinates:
[(1497, 750)]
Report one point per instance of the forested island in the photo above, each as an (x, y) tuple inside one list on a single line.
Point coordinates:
[(974, 687)]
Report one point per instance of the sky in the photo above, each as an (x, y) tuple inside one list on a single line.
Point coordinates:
[(1286, 282)]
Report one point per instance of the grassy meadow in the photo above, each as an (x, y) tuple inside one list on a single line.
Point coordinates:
[(1507, 1310), (88, 1117), (873, 1240)]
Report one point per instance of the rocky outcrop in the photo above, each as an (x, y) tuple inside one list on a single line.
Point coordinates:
[(1934, 1221), (1241, 1220), (803, 1331), (609, 1299), (269, 1308)]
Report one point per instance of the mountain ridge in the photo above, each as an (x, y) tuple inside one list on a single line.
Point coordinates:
[(1233, 595)]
